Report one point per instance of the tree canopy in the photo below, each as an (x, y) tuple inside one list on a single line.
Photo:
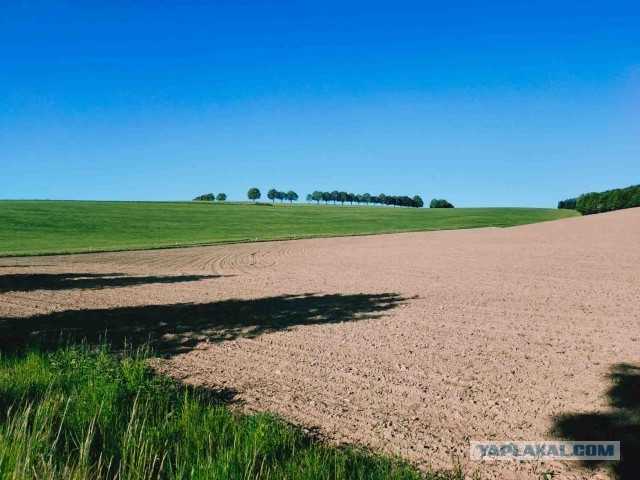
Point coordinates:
[(617, 199), (334, 196), (254, 194), (366, 198), (569, 203), (291, 196), (272, 194), (207, 197), (440, 203)]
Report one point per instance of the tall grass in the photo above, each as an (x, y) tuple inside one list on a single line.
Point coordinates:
[(79, 413)]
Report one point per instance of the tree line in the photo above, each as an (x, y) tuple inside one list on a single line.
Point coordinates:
[(336, 196), (342, 197), (289, 196), (210, 197), (365, 198), (616, 199)]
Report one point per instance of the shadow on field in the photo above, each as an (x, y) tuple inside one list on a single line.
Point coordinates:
[(179, 327), (35, 265), (621, 423), (26, 282)]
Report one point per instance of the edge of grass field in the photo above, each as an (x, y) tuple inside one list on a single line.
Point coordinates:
[(131, 377), (278, 238)]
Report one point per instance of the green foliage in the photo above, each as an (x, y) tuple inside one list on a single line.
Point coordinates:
[(221, 197), (617, 199), (367, 198), (254, 194), (38, 227), (78, 414), (272, 194), (291, 196), (569, 203), (435, 203), (208, 197)]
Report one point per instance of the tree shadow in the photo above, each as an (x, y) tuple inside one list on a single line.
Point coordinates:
[(179, 327), (27, 282), (35, 265), (621, 423)]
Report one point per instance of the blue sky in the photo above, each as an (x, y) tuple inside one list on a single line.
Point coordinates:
[(483, 103)]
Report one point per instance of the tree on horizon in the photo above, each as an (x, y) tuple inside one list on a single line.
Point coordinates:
[(254, 194), (291, 196)]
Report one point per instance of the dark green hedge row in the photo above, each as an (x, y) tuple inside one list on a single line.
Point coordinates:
[(568, 204), (440, 203), (608, 201), (210, 197)]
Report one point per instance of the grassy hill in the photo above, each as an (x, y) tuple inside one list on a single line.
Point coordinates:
[(39, 227)]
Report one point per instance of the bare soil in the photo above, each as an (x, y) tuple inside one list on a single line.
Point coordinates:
[(411, 344)]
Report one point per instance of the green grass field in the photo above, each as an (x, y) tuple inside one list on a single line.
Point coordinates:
[(41, 227), (78, 413)]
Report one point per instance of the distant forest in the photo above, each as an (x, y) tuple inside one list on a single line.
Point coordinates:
[(599, 202)]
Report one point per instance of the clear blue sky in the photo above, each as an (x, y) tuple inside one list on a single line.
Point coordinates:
[(497, 103)]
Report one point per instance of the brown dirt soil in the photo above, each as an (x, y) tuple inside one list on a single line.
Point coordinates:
[(410, 343)]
